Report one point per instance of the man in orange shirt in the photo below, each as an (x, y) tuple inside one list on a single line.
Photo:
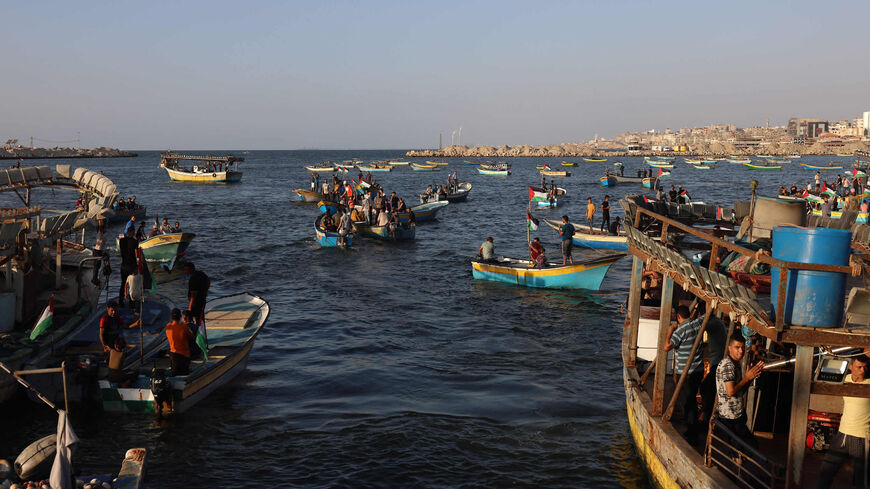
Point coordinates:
[(179, 336)]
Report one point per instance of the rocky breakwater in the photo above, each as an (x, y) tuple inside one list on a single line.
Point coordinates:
[(28, 153), (525, 150)]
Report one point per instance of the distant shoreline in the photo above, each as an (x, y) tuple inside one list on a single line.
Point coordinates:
[(19, 152)]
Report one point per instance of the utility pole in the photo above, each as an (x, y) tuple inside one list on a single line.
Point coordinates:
[(440, 137), (460, 135), (31, 142), (79, 139)]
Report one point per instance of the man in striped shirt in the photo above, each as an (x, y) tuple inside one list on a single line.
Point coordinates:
[(681, 336)]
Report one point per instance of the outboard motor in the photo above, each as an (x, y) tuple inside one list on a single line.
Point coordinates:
[(160, 389)]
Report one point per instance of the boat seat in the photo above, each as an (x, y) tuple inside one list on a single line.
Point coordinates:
[(63, 171), (44, 173), (237, 319), (858, 306)]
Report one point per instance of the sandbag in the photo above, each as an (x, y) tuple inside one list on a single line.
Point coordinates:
[(34, 462)]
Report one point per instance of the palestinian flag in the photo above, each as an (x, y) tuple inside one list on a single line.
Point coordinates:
[(856, 173), (148, 282), (531, 221), (810, 197), (535, 196), (660, 173), (201, 342), (45, 320), (827, 191)]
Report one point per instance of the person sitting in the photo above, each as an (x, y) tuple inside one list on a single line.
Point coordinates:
[(154, 231), (536, 253), (327, 222), (140, 233), (177, 227), (165, 228), (383, 218), (401, 207), (486, 252), (355, 214), (429, 194)]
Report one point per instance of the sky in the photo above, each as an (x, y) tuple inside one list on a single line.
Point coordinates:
[(393, 75)]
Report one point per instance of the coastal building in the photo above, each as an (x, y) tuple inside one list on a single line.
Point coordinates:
[(808, 128), (866, 124)]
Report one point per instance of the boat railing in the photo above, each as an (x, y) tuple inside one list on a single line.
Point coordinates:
[(740, 461)]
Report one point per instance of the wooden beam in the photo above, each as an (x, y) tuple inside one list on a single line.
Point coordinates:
[(634, 297), (827, 337), (658, 400), (797, 436), (841, 390)]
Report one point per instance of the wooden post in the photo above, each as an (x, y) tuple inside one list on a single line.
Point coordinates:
[(671, 405), (797, 436), (634, 296), (658, 400), (57, 260), (714, 252), (65, 393)]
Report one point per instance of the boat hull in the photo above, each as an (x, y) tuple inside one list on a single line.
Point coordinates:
[(812, 167), (423, 212), (417, 167), (555, 173), (585, 275), (862, 216), (329, 239), (165, 247), (213, 177), (608, 181), (758, 167), (308, 196), (494, 172), (124, 215), (382, 233)]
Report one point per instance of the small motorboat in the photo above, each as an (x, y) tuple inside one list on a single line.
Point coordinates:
[(582, 274)]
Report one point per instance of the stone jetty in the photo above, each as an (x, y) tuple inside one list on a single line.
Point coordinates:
[(10, 152)]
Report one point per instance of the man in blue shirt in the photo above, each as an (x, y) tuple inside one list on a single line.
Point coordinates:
[(131, 224), (682, 336), (566, 231)]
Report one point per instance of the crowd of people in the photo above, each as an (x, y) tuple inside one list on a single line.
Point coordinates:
[(842, 194), (372, 208)]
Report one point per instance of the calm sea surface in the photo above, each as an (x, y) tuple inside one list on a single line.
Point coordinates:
[(387, 365)]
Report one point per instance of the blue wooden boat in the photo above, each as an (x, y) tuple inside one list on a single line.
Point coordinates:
[(232, 324), (471, 162), (422, 167), (424, 212), (333, 207), (401, 233), (814, 167), (307, 195), (329, 239), (649, 182), (597, 240), (660, 164), (586, 274), (124, 215), (485, 171), (608, 181)]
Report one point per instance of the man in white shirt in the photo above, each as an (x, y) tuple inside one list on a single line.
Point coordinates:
[(133, 289)]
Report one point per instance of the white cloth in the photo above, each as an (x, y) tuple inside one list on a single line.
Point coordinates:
[(61, 469)]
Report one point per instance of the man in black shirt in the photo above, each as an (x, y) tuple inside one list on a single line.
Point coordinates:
[(605, 214), (127, 247), (197, 290), (672, 194)]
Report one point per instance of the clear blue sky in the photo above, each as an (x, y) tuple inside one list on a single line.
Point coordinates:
[(324, 74)]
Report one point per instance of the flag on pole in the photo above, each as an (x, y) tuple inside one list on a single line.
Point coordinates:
[(200, 340), (531, 193), (148, 281), (531, 221), (660, 173), (45, 320), (856, 173), (827, 191)]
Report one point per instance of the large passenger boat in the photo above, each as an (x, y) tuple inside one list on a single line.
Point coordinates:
[(806, 333), (202, 169)]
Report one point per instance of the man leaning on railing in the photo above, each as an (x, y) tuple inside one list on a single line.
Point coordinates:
[(730, 384)]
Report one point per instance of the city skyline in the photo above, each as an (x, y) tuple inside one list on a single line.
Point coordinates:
[(393, 75)]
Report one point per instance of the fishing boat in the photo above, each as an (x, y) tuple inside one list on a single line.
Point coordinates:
[(461, 193), (622, 179), (423, 212), (649, 182), (232, 324), (328, 205), (571, 163), (542, 167), (702, 167), (617, 163), (845, 154), (739, 161), (346, 165), (437, 163), (308, 195), (399, 163), (862, 216), (795, 156), (750, 166), (590, 238), (691, 161), (163, 248), (421, 167), (471, 162), (123, 214), (486, 171), (209, 169), (402, 232), (660, 164), (778, 161), (595, 160), (376, 167), (585, 274), (608, 181), (807, 166), (555, 173), (330, 239), (327, 167)]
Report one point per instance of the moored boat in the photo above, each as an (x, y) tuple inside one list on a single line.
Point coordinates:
[(322, 169), (569, 163), (595, 160), (486, 171), (471, 162), (209, 169), (398, 163), (165, 247), (330, 239), (402, 232), (123, 214), (232, 324), (590, 238), (702, 167), (750, 166), (422, 167), (437, 163), (585, 274), (555, 173), (817, 167), (608, 181), (423, 212), (376, 167), (622, 179), (542, 167), (660, 164), (308, 195), (461, 193)]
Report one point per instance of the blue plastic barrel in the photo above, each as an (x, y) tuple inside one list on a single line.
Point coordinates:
[(812, 298)]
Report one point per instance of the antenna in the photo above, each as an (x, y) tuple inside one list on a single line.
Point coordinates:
[(460, 135), (452, 136)]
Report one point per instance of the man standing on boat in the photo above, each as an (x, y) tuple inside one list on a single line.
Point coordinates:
[(127, 247), (197, 290), (730, 385), (605, 214), (853, 436), (682, 337), (590, 212), (566, 231), (111, 325)]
